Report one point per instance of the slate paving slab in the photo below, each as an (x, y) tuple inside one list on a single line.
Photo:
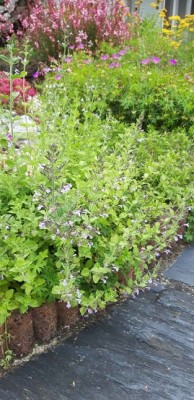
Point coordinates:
[(182, 269), (143, 350)]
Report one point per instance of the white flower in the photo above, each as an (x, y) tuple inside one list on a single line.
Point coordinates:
[(40, 207), (77, 212), (66, 188), (42, 225), (79, 295), (84, 235), (68, 305), (37, 194), (167, 251), (40, 167)]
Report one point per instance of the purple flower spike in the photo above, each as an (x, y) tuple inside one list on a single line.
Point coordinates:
[(105, 57), (58, 77), (146, 61), (36, 74), (156, 60), (173, 61)]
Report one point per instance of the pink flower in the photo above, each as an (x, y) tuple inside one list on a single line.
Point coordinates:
[(156, 60), (122, 52), (72, 46), (145, 61), (31, 92), (105, 57), (114, 65), (87, 61), (68, 60), (45, 70), (173, 61), (80, 46), (58, 77), (116, 56)]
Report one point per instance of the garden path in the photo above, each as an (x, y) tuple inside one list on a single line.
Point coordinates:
[(143, 350)]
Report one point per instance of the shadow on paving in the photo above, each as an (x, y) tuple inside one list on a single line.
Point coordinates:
[(143, 350)]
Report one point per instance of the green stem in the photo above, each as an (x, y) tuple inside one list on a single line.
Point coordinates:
[(11, 101)]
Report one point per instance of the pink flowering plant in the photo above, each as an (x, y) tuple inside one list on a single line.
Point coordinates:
[(54, 26)]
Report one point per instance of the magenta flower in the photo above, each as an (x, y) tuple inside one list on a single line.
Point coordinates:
[(45, 70), (58, 77), (105, 57), (114, 65), (10, 137), (72, 46), (87, 61), (80, 46), (156, 60), (146, 61), (187, 77), (173, 61), (36, 74), (68, 60), (122, 52), (116, 56)]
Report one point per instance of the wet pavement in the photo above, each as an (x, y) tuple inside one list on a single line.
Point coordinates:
[(143, 350)]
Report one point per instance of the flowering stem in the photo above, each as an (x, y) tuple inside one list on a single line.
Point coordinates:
[(11, 101), (25, 62)]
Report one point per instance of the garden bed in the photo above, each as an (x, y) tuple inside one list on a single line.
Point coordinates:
[(96, 184)]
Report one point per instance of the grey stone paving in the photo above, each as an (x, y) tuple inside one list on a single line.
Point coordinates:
[(143, 350), (182, 269)]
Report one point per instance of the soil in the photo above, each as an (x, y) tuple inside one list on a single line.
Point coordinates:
[(45, 322), (1, 342), (21, 333), (66, 316)]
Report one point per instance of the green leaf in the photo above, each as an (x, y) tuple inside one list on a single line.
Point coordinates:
[(4, 58), (96, 278), (23, 74), (85, 272)]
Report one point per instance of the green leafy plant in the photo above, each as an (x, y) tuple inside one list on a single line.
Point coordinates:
[(96, 196)]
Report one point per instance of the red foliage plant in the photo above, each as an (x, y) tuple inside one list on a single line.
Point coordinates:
[(20, 87)]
